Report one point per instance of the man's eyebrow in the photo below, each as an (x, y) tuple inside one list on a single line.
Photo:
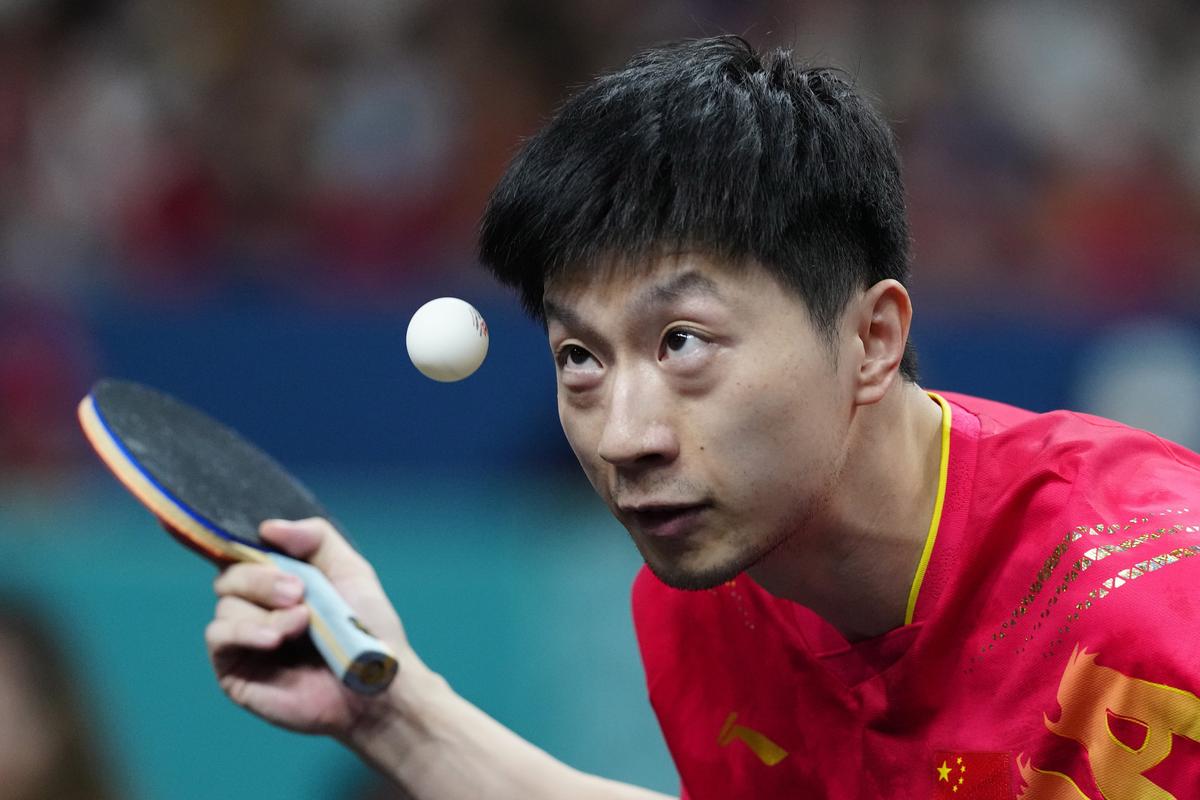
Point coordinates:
[(671, 290), (678, 286), (567, 316)]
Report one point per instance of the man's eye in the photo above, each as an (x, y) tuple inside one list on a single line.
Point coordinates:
[(574, 356), (679, 342)]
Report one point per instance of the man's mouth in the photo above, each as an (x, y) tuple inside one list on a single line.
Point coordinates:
[(664, 520)]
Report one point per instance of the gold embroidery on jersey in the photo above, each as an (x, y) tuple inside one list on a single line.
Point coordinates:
[(1100, 551), (1035, 589), (1041, 784), (1087, 695)]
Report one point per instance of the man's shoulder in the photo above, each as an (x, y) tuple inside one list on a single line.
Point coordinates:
[(1057, 500), (993, 414), (1015, 443), (999, 419)]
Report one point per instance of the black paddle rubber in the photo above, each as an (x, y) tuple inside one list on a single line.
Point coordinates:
[(206, 467)]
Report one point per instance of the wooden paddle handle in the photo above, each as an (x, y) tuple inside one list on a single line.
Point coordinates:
[(364, 663)]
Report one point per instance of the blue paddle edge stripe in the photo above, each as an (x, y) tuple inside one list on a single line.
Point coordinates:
[(182, 506)]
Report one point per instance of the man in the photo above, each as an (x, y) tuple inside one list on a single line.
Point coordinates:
[(854, 588)]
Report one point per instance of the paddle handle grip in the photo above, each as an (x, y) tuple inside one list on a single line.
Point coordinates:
[(365, 664)]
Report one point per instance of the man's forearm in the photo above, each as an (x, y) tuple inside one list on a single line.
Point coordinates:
[(438, 746)]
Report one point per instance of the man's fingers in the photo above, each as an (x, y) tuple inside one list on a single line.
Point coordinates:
[(263, 584), (298, 538), (315, 540), (241, 624)]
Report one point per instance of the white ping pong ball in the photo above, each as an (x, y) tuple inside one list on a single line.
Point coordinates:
[(447, 339)]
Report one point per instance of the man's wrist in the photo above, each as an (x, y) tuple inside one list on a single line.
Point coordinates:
[(395, 721)]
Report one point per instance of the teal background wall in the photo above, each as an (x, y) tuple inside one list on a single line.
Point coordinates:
[(516, 591)]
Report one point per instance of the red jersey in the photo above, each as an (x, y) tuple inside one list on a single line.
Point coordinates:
[(1052, 653)]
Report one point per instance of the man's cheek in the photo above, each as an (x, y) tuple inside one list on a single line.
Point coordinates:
[(591, 465)]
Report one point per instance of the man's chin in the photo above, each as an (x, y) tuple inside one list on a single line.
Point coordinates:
[(694, 579)]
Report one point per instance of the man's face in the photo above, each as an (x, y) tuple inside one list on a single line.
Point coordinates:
[(704, 407)]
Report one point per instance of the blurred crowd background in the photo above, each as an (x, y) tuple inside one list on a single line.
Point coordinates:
[(242, 202), (316, 156)]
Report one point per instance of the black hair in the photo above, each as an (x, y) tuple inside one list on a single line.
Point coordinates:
[(707, 145)]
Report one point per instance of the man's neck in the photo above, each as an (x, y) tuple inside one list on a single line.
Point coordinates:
[(855, 560)]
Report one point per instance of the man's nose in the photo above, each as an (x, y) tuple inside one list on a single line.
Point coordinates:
[(638, 428)]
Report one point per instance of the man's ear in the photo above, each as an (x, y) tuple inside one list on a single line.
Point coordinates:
[(882, 315)]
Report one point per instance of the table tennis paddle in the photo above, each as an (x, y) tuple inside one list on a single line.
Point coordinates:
[(211, 488)]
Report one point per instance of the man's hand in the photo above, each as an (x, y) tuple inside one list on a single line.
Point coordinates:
[(257, 642), (431, 742)]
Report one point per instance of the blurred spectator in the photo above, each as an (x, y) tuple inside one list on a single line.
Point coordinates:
[(47, 735)]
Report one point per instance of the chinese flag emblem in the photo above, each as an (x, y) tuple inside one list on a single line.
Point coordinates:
[(971, 776)]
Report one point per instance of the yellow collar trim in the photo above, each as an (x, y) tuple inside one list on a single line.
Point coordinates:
[(931, 537)]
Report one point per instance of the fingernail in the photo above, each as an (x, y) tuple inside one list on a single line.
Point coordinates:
[(288, 590)]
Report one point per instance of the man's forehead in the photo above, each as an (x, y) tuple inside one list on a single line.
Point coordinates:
[(653, 282)]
